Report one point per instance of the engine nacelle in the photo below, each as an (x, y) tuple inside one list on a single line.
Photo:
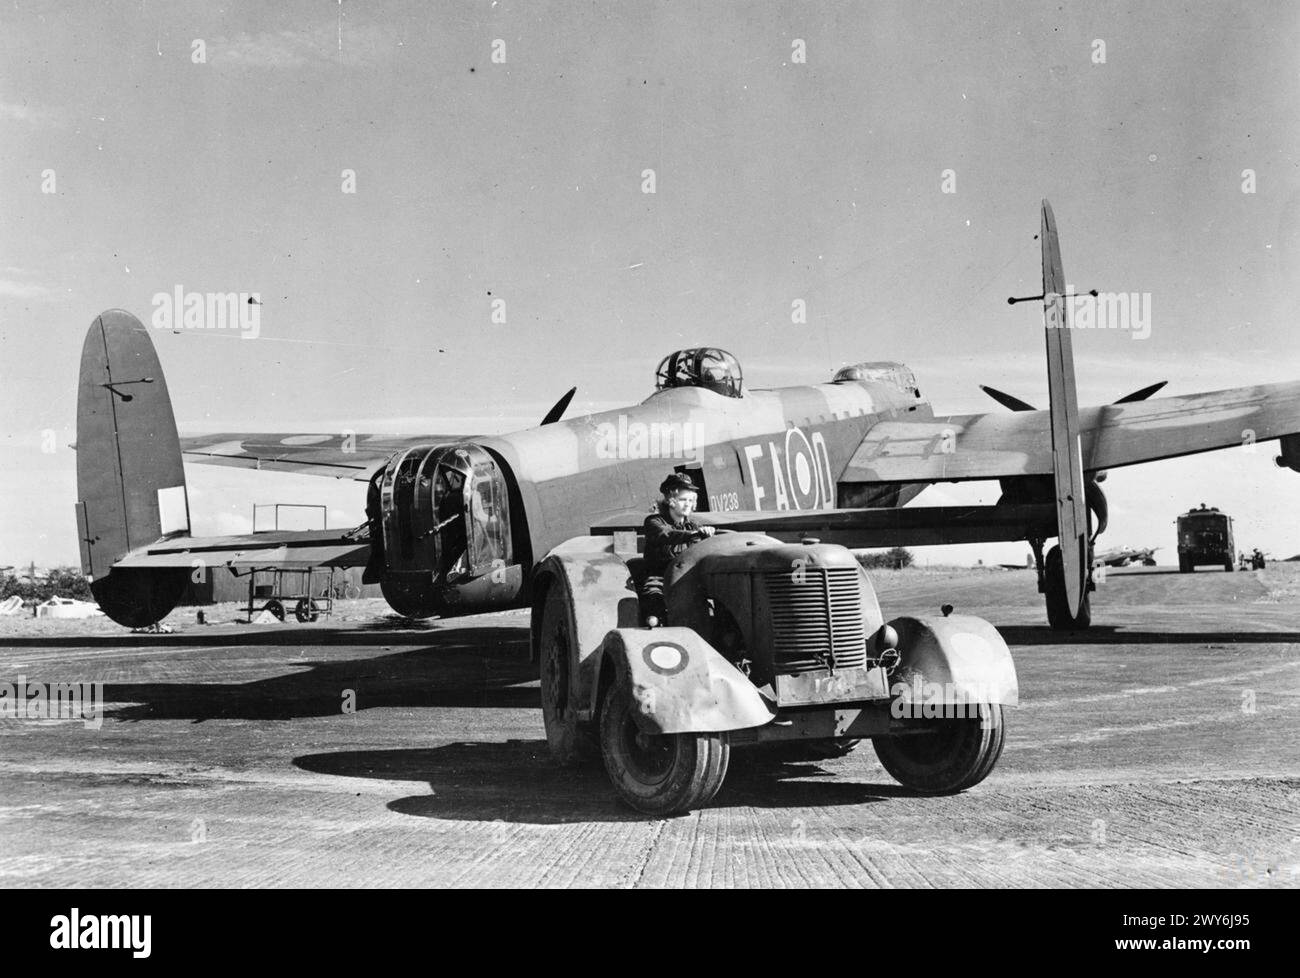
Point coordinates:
[(440, 531), (411, 597)]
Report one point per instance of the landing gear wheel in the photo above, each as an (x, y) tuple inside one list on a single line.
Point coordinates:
[(1227, 567), (1058, 608), (275, 608), (659, 774), (1184, 565), (956, 754), (569, 741), (305, 610), (137, 597)]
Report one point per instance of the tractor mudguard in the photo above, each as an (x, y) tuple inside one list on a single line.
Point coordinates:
[(957, 659), (681, 683)]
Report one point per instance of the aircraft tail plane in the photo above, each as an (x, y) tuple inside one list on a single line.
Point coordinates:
[(130, 480), (133, 515), (1067, 450)]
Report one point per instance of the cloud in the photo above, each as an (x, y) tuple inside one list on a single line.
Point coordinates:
[(9, 289), (326, 42), (21, 110)]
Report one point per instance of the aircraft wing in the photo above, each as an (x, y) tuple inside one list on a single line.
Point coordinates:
[(283, 549), (353, 456), (906, 526), (998, 445)]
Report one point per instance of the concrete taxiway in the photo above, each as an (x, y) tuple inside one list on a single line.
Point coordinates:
[(1160, 748)]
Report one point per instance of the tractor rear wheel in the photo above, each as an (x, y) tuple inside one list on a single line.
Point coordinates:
[(953, 754), (659, 774), (569, 741)]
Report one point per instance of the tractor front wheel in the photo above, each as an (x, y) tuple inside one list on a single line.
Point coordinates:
[(659, 774), (945, 755)]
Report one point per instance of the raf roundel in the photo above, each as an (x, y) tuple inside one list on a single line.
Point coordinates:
[(802, 470), (666, 658)]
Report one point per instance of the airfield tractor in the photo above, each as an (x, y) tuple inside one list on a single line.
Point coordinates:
[(769, 643), (1205, 537)]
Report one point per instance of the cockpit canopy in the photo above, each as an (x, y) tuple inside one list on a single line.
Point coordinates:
[(894, 374), (707, 367)]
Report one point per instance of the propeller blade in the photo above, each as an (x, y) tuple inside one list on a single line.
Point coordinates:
[(557, 412), (1141, 395), (1006, 400), (1016, 404)]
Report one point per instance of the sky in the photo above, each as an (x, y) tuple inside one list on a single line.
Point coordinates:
[(881, 162)]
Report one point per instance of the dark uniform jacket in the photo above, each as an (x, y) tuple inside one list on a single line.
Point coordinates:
[(666, 540)]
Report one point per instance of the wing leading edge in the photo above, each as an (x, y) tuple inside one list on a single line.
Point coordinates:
[(338, 456), (996, 446), (906, 526), (283, 549)]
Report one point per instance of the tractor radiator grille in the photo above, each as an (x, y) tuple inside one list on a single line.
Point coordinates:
[(816, 619)]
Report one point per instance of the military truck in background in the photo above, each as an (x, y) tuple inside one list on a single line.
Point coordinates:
[(1205, 537)]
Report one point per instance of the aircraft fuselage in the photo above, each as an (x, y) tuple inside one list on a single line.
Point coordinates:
[(779, 449)]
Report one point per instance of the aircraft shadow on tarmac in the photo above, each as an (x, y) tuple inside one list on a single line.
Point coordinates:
[(489, 668), (1021, 635), (387, 631), (517, 782)]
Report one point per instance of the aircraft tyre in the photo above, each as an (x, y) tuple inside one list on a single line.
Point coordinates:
[(139, 597), (658, 774), (568, 740), (1058, 607), (1184, 565), (957, 754)]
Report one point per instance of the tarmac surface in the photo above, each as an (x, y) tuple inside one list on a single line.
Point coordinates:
[(1158, 749)]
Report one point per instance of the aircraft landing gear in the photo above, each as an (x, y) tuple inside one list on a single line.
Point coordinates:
[(1058, 607)]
